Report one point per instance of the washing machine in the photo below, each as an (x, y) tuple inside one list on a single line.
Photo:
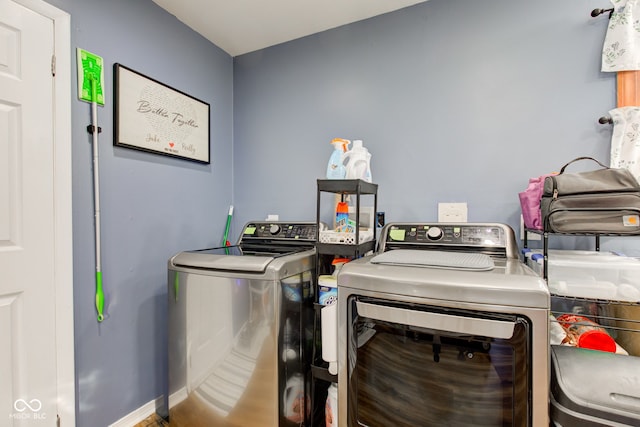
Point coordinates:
[(443, 325), (239, 323)]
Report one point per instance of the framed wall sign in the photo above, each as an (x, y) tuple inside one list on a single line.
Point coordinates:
[(151, 116)]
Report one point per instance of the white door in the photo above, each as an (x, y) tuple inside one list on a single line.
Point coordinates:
[(29, 352)]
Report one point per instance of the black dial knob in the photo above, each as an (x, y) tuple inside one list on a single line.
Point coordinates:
[(274, 229), (434, 233)]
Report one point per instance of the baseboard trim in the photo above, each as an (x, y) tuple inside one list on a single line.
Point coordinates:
[(178, 397), (139, 415)]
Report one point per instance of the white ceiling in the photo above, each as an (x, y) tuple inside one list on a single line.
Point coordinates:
[(242, 26)]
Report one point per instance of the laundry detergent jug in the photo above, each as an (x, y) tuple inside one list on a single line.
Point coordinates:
[(296, 399), (358, 162)]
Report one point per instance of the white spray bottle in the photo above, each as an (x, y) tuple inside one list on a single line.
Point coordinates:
[(358, 164), (335, 167)]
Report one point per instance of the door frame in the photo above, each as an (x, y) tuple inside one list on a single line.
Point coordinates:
[(63, 225)]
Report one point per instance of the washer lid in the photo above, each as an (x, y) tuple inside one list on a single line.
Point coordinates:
[(509, 283), (227, 258)]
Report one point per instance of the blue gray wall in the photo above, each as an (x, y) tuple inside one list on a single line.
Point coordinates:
[(458, 100), (151, 206), (444, 95)]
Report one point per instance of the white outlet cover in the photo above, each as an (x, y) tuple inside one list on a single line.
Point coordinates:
[(452, 212)]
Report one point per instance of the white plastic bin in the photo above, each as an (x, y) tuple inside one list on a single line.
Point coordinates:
[(601, 276)]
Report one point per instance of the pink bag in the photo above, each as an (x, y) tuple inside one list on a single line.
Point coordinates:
[(530, 202)]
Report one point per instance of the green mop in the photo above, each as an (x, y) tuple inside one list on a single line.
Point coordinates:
[(90, 83)]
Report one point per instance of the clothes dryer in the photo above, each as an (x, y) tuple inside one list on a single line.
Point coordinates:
[(443, 326)]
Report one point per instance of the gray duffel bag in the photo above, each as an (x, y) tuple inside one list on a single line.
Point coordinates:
[(603, 201)]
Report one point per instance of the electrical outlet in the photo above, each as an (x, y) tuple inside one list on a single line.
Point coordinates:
[(452, 212)]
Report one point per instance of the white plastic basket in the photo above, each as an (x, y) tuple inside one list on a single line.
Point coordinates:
[(336, 237)]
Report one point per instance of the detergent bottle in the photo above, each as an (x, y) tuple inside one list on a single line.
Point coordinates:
[(342, 217), (358, 164), (335, 167)]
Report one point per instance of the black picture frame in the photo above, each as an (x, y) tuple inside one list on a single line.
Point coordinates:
[(154, 117)]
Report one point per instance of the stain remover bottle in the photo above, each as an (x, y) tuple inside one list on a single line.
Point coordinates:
[(335, 167)]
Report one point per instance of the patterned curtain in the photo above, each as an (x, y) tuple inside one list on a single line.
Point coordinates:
[(625, 141), (621, 49)]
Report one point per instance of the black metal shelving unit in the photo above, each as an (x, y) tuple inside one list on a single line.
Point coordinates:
[(346, 187), (321, 379), (605, 312)]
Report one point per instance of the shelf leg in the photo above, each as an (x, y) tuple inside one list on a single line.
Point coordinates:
[(545, 256)]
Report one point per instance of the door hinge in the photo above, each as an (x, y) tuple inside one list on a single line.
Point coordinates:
[(53, 65)]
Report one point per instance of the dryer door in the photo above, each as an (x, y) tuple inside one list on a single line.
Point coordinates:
[(421, 365)]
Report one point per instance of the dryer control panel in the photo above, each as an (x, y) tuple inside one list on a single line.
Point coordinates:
[(472, 237)]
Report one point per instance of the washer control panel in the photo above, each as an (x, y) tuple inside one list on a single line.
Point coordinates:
[(469, 235), (303, 231)]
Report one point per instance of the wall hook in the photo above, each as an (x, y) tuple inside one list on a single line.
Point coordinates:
[(604, 120)]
